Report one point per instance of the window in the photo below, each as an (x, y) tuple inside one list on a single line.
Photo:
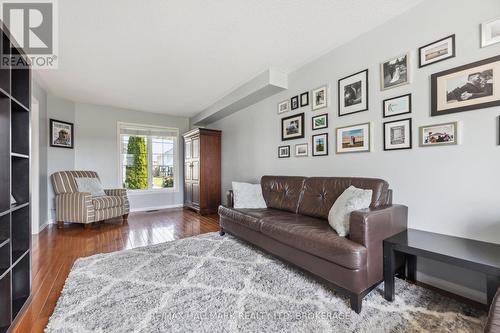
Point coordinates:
[(148, 157)]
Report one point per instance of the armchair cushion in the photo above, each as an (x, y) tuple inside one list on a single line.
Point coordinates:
[(92, 185)]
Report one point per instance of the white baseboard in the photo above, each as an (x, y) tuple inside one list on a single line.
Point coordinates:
[(453, 288), (43, 226), (144, 209)]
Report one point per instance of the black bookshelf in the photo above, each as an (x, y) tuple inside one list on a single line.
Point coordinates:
[(15, 227)]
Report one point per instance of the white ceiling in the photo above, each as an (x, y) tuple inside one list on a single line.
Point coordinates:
[(179, 57)]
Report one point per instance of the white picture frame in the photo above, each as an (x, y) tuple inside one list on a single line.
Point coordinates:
[(353, 138), (284, 106), (395, 72), (490, 32), (319, 98), (301, 150)]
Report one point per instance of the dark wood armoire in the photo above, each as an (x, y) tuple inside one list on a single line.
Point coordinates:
[(202, 170)]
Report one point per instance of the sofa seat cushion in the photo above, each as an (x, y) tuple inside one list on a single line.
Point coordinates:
[(250, 218), (107, 201), (314, 236)]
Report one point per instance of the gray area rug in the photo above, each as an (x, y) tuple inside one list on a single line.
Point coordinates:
[(210, 283)]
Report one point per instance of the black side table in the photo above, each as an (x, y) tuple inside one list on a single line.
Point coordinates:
[(467, 253)]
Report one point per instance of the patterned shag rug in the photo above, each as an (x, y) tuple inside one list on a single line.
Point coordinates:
[(211, 283)]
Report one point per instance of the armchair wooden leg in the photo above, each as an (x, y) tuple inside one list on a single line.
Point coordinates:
[(124, 219), (60, 224), (87, 225)]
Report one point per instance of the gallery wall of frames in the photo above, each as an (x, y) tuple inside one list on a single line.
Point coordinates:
[(465, 88)]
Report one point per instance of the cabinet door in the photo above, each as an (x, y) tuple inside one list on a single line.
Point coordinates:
[(195, 147), (196, 194), (187, 149), (195, 170), (188, 193), (188, 171)]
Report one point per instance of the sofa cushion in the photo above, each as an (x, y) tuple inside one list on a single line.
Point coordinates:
[(250, 218), (282, 192), (107, 201), (321, 192), (316, 237)]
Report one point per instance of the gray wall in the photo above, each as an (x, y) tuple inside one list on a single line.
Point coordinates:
[(451, 190), (41, 95), (97, 148)]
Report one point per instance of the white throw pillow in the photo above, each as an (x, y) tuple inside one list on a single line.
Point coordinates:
[(248, 195), (350, 200), (90, 185)]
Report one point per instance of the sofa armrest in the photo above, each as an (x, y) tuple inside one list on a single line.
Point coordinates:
[(75, 207), (369, 227), (493, 323), (120, 192), (230, 198)]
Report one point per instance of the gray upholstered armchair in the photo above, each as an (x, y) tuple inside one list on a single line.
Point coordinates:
[(81, 207)]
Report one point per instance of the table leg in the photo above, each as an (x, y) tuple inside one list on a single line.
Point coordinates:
[(389, 267), (411, 261), (492, 283)]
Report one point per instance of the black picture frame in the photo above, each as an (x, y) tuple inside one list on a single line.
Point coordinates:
[(453, 50), (306, 96), (392, 98), (410, 134), (301, 130), (294, 100), (322, 127), (434, 88), (53, 122), (326, 143), (340, 95), (285, 156)]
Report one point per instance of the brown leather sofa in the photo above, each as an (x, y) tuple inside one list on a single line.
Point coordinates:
[(493, 324), (294, 227)]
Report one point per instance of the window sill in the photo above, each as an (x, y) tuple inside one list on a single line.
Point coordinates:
[(151, 191)]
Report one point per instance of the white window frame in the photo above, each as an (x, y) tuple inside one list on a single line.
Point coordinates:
[(174, 189)]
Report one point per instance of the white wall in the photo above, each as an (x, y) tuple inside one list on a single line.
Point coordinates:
[(450, 190), (97, 148)]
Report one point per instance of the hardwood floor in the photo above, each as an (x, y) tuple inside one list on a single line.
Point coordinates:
[(55, 251)]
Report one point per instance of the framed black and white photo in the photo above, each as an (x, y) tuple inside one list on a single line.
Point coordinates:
[(395, 72), (283, 151), (292, 127), (61, 134), (320, 144), (284, 106), (354, 138), (319, 122), (490, 32), (436, 51), (396, 106), (353, 93), (304, 99), (438, 135), (397, 134), (301, 150), (294, 102), (320, 98), (468, 87)]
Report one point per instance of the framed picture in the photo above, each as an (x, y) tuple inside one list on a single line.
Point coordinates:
[(490, 32), (320, 144), (353, 93), (438, 135), (292, 127), (301, 150), (319, 122), (395, 72), (320, 98), (397, 134), (468, 87), (284, 106), (436, 51), (353, 139), (283, 151), (304, 99), (61, 134), (294, 101), (396, 106)]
